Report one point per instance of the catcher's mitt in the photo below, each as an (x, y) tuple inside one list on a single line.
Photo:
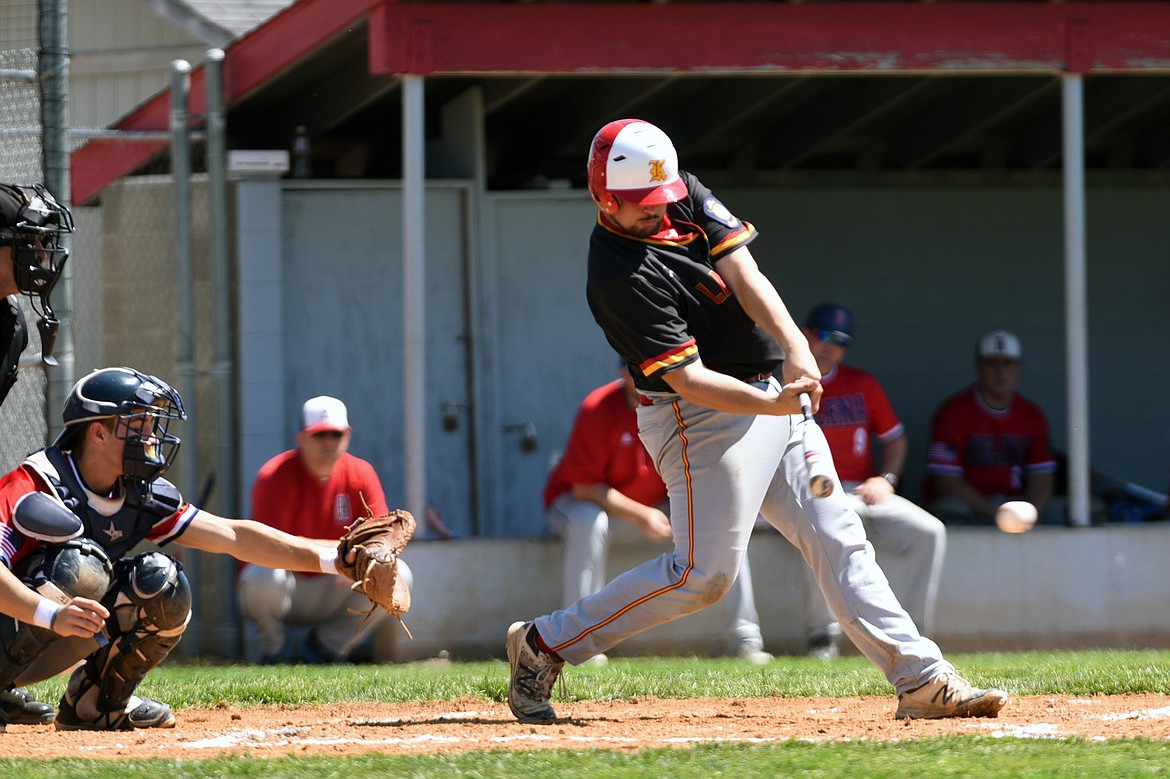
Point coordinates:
[(375, 543)]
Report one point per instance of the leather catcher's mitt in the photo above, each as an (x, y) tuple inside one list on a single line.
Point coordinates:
[(377, 542)]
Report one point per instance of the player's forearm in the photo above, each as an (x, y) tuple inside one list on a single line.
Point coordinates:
[(16, 600), (893, 456), (698, 384), (255, 542), (614, 502), (955, 487), (1038, 490)]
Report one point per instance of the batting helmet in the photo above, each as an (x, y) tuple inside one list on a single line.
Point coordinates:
[(144, 405), (634, 161)]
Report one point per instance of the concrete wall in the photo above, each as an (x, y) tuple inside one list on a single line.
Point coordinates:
[(1052, 588)]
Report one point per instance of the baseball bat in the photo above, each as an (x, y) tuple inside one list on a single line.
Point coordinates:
[(820, 478)]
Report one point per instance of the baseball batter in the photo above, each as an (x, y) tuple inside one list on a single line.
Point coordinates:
[(678, 294)]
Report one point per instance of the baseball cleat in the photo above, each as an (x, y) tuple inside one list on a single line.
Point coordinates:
[(949, 695), (19, 707), (753, 655), (533, 674), (139, 713)]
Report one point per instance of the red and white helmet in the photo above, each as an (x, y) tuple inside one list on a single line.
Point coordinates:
[(633, 161)]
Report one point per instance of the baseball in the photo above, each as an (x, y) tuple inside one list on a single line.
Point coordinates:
[(1015, 516)]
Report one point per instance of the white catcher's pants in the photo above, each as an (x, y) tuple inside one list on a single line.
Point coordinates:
[(274, 598)]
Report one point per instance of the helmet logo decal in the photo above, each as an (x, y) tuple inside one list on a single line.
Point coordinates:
[(657, 170)]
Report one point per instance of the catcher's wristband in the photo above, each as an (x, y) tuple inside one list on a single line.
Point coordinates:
[(45, 614), (328, 560)]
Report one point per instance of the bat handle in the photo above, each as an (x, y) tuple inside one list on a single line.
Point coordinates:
[(805, 406), (819, 478)]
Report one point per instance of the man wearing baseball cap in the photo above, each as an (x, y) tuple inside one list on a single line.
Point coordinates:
[(314, 490), (988, 443)]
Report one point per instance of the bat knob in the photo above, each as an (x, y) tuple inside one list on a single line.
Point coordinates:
[(821, 486)]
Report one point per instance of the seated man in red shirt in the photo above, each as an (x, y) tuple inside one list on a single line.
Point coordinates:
[(606, 473), (315, 490), (857, 418), (989, 444)]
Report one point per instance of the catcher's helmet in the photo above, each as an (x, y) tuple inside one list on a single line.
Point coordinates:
[(144, 406), (32, 223), (634, 161)]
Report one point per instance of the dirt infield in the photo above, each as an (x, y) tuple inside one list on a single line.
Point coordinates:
[(474, 724)]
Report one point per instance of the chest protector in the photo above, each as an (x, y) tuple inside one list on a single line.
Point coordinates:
[(117, 524)]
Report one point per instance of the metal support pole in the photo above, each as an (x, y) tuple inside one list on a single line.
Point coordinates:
[(221, 281), (221, 284), (414, 295), (185, 292), (1076, 348), (54, 66)]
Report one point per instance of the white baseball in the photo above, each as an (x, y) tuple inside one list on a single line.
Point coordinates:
[(1015, 516)]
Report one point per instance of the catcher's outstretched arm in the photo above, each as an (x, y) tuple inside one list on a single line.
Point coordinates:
[(255, 542)]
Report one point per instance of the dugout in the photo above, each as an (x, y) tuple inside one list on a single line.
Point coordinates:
[(905, 159)]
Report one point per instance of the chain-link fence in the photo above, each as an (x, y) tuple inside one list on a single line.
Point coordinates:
[(125, 295), (22, 417)]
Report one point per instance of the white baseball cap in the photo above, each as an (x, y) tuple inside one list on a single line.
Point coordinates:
[(998, 343), (324, 413)]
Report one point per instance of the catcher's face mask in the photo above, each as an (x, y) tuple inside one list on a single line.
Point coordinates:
[(35, 224)]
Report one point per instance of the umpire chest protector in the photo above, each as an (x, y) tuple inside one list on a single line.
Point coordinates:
[(117, 524), (13, 340)]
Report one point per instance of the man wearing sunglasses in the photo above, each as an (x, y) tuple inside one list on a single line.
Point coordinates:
[(31, 261), (314, 490), (856, 414)]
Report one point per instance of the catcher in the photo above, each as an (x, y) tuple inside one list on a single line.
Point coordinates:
[(69, 590), (313, 490)]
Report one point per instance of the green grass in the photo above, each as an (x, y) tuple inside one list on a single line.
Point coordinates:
[(1035, 673)]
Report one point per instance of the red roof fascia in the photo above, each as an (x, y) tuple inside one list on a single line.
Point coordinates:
[(424, 38), (599, 38), (248, 63)]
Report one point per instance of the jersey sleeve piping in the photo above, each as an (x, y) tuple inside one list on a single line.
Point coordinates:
[(669, 359), (179, 523), (733, 241)]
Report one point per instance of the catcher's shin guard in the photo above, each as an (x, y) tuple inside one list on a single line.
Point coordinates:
[(150, 605), (76, 568)]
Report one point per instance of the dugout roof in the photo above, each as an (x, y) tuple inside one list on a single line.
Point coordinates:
[(748, 91)]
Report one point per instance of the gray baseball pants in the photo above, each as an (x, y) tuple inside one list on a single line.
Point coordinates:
[(587, 533), (910, 543), (721, 470)]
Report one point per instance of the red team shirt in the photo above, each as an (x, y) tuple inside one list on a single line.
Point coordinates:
[(604, 448), (855, 410), (287, 497), (989, 448)]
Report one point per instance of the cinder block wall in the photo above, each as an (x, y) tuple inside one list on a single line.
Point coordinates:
[(1052, 588)]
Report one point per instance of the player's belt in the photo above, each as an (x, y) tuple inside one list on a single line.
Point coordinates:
[(648, 401)]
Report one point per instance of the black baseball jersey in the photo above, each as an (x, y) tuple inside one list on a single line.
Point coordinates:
[(13, 341), (662, 305)]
